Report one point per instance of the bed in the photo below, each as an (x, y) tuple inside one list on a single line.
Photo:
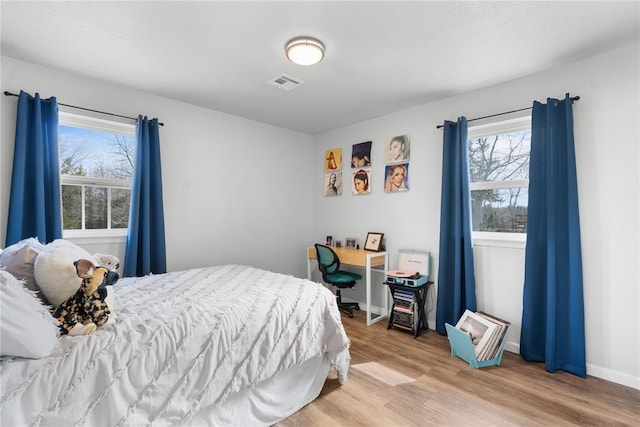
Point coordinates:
[(224, 345)]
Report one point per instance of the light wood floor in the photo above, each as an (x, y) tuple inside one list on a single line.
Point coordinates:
[(396, 380)]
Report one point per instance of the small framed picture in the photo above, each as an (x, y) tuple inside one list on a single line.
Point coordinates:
[(329, 240), (361, 155), (397, 149), (396, 178), (373, 242), (351, 242), (333, 160), (333, 184), (360, 181)]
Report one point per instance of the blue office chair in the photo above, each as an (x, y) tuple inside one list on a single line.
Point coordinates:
[(329, 265)]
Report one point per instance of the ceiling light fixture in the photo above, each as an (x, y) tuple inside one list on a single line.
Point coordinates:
[(305, 50)]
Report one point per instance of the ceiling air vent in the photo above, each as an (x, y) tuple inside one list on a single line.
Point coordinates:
[(285, 82)]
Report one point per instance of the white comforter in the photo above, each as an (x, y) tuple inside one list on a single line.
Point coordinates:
[(183, 343)]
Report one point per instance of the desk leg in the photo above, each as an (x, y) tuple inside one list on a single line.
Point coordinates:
[(368, 287), (308, 267), (370, 319)]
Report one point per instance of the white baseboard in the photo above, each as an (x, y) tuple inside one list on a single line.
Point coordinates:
[(512, 347), (613, 376)]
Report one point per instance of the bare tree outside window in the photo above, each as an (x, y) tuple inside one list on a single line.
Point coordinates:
[(96, 169), (499, 174)]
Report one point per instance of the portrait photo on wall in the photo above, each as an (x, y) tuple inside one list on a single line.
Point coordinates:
[(396, 178), (397, 148), (361, 181), (361, 155), (333, 160), (333, 184)]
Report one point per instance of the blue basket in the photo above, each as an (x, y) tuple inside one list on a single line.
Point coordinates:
[(462, 347)]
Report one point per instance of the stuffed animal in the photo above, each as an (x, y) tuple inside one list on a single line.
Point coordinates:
[(84, 311), (56, 275), (112, 263), (109, 261)]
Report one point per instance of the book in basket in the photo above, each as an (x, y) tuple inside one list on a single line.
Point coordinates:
[(492, 349), (480, 329)]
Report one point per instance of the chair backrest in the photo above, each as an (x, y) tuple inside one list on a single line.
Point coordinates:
[(328, 261)]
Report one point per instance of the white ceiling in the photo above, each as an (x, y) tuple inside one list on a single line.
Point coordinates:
[(381, 56)]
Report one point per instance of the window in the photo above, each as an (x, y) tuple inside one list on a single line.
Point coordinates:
[(96, 166), (499, 174)]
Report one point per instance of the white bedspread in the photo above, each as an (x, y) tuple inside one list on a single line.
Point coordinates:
[(183, 343)]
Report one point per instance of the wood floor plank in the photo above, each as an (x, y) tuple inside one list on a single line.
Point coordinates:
[(446, 391)]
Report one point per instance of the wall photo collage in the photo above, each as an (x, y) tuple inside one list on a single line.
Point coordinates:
[(396, 175)]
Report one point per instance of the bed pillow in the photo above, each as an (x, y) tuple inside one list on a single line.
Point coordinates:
[(27, 328), (19, 258)]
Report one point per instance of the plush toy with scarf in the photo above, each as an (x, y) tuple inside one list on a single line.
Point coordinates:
[(85, 310)]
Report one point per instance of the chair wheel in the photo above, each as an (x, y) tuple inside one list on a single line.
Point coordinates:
[(350, 315), (357, 307)]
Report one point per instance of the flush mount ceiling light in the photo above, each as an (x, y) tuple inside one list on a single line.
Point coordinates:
[(305, 50)]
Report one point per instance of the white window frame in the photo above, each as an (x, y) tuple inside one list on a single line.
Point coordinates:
[(514, 123), (94, 122)]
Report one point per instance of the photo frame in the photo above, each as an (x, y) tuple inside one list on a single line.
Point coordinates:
[(333, 160), (333, 184), (397, 149), (373, 242), (361, 181), (361, 155), (351, 242), (396, 178)]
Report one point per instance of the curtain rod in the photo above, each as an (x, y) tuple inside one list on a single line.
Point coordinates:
[(7, 93), (575, 98)]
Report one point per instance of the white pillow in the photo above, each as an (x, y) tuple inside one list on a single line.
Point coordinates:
[(18, 259), (27, 327)]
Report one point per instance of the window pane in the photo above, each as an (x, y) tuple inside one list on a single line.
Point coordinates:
[(94, 153), (120, 207), (71, 207), (96, 167), (503, 210), (95, 208), (500, 157)]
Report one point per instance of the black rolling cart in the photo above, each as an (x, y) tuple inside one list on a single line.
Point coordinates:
[(408, 311)]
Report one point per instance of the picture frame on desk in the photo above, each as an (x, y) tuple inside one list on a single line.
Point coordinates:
[(373, 242), (350, 242)]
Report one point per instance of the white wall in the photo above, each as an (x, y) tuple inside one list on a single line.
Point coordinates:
[(235, 190), (608, 160)]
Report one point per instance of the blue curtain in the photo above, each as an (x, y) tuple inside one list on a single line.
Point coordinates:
[(553, 307), (35, 200), (456, 279), (145, 248)]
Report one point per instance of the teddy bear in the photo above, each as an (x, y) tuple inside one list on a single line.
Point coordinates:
[(111, 262), (84, 311)]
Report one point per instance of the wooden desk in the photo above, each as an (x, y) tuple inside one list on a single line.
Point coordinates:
[(360, 258)]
